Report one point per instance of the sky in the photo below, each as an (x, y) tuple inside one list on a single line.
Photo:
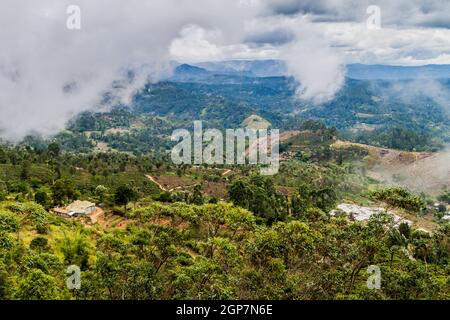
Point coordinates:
[(49, 72), (411, 32)]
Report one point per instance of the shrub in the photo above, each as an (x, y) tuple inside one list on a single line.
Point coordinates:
[(399, 197)]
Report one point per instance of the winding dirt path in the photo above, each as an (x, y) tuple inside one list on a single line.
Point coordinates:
[(157, 183), (226, 172), (168, 190)]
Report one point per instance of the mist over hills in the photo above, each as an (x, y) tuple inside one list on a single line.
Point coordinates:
[(374, 103), (385, 72), (251, 68), (277, 68), (387, 111)]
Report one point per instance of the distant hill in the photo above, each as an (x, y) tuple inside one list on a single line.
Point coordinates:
[(418, 171), (230, 95), (186, 72), (384, 72), (248, 68), (277, 68), (255, 122)]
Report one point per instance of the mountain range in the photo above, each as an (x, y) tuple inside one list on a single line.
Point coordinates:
[(276, 68)]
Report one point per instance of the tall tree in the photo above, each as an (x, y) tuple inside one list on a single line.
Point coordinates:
[(123, 195)]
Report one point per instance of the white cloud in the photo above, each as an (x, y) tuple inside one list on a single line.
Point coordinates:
[(318, 68), (407, 46), (196, 44), (48, 73)]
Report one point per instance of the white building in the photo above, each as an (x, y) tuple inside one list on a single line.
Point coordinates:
[(76, 208)]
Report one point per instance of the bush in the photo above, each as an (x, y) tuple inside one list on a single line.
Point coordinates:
[(8, 222), (399, 197), (42, 228), (39, 244)]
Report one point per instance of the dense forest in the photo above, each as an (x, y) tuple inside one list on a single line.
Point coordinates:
[(365, 111), (264, 238), (218, 251)]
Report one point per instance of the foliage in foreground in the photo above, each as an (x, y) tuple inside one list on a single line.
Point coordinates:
[(218, 251)]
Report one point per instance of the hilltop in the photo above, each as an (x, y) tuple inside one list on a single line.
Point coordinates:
[(419, 171)]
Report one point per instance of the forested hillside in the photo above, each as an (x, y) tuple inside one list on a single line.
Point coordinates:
[(165, 231), (400, 114)]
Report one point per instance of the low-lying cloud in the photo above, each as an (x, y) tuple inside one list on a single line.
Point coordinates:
[(410, 91), (318, 69), (48, 73)]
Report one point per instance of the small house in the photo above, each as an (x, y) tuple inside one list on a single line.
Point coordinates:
[(75, 209)]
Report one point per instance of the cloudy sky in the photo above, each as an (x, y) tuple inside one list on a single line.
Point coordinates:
[(49, 73), (412, 32)]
